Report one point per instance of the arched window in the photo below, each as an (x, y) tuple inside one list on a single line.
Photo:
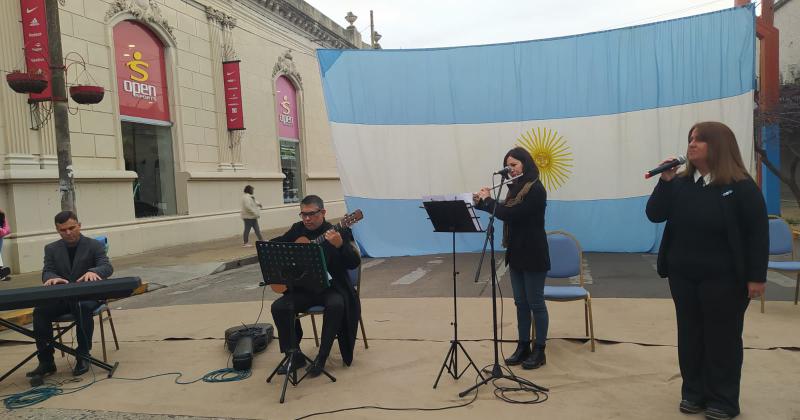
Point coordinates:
[(289, 139), (144, 111)]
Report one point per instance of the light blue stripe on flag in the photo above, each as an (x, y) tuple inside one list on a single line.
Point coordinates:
[(688, 60)]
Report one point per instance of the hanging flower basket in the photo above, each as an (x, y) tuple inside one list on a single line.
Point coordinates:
[(26, 82), (87, 94)]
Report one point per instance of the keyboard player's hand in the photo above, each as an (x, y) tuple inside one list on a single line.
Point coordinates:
[(54, 281), (89, 276)]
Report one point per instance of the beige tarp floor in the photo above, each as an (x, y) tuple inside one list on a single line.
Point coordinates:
[(633, 373)]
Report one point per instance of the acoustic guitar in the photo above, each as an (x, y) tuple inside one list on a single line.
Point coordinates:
[(347, 221)]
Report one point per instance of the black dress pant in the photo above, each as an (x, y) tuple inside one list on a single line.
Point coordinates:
[(287, 306), (43, 317), (710, 314)]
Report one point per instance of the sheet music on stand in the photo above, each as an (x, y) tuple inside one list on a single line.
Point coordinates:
[(465, 197)]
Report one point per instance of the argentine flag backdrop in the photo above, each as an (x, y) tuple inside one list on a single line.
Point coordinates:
[(595, 111)]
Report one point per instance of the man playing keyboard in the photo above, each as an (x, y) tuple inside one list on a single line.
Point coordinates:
[(73, 258)]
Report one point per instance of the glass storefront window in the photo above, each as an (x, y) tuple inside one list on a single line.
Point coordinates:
[(148, 152), (290, 166)]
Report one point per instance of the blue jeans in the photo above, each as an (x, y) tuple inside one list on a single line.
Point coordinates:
[(528, 287)]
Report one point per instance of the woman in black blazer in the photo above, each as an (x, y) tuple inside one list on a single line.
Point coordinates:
[(714, 251), (527, 255)]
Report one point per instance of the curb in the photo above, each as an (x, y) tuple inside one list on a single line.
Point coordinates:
[(237, 263), (25, 316)]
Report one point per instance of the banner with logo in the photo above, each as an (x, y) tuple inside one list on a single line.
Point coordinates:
[(141, 74), (595, 111), (233, 95), (286, 107), (37, 49)]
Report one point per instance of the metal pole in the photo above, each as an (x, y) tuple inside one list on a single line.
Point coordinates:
[(66, 187), (371, 31)]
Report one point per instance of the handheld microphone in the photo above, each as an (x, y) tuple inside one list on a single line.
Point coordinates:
[(680, 160), (503, 171)]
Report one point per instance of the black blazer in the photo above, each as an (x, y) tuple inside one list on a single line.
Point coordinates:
[(527, 240), (90, 256), (745, 215)]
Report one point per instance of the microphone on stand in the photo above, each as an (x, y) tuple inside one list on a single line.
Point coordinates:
[(680, 160), (504, 172)]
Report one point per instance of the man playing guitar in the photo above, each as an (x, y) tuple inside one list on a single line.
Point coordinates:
[(342, 307)]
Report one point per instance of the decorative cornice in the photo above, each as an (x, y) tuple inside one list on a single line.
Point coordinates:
[(220, 17), (144, 10), (285, 65), (319, 33)]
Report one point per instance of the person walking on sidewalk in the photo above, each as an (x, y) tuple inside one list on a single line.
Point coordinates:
[(250, 214), (4, 231)]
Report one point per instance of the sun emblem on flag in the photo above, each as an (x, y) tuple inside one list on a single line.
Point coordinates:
[(551, 154)]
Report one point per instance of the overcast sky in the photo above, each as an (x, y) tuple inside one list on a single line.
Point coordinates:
[(444, 23)]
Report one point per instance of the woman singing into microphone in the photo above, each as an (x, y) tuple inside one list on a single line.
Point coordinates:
[(526, 252), (715, 252)]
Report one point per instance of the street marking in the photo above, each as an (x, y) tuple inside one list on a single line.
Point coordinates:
[(372, 263), (780, 279), (587, 275), (500, 269), (411, 277), (435, 262)]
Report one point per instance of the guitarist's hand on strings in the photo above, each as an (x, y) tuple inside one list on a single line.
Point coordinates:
[(334, 237)]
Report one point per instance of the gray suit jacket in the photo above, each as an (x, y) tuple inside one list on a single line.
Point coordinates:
[(90, 256)]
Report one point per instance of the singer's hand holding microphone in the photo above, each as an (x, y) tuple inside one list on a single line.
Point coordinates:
[(668, 168)]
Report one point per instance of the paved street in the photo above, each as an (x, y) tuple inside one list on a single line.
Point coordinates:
[(607, 275)]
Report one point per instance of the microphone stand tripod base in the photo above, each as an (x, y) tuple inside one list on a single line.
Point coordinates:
[(497, 373)]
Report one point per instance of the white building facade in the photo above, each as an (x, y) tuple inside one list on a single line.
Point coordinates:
[(154, 162)]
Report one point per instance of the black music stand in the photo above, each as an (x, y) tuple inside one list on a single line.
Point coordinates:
[(293, 265), (453, 216)]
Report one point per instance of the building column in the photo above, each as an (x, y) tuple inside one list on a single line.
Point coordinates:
[(48, 158), (220, 25), (16, 113)]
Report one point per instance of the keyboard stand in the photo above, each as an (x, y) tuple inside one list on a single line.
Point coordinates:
[(29, 332)]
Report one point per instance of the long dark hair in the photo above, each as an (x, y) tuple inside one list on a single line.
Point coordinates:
[(530, 172), (724, 160)]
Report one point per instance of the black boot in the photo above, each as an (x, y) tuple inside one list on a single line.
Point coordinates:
[(45, 368), (298, 361), (520, 354), (536, 359), (81, 366), (317, 366)]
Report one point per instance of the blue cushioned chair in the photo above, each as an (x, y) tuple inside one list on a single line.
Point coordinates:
[(566, 260), (781, 242), (354, 276)]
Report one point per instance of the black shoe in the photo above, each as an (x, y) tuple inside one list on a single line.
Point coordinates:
[(316, 367), (536, 359), (81, 367), (5, 272), (690, 407), (44, 369), (520, 354), (298, 361), (717, 414)]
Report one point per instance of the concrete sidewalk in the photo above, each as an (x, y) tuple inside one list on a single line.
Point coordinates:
[(160, 267)]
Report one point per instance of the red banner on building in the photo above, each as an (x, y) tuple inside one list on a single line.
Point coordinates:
[(37, 51), (141, 73), (233, 95)]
